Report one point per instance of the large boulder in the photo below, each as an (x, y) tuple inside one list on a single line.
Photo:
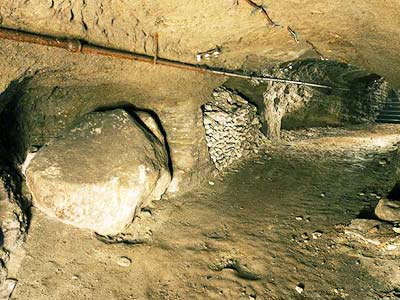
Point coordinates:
[(99, 173)]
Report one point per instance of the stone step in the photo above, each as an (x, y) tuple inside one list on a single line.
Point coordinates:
[(391, 109), (389, 113), (388, 116), (388, 120)]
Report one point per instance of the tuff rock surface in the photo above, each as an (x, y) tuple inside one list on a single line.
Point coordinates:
[(13, 225)]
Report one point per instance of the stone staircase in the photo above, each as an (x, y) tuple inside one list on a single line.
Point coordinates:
[(391, 112)]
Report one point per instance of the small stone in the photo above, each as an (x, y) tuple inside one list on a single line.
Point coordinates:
[(322, 195), (316, 234), (211, 183), (146, 213), (305, 237), (396, 229), (300, 288), (299, 218), (124, 261), (391, 247), (364, 225), (383, 162), (7, 287), (373, 230)]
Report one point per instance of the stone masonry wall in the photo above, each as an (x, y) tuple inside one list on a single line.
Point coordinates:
[(232, 128)]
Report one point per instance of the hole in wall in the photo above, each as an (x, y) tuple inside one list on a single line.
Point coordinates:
[(394, 194)]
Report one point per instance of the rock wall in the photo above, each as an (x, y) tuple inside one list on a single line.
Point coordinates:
[(368, 101), (43, 91), (42, 110), (281, 99), (356, 96), (186, 28), (232, 128), (362, 103), (13, 226)]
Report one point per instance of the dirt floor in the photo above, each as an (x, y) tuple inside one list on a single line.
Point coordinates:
[(274, 227)]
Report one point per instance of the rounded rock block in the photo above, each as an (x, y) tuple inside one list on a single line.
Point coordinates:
[(99, 173), (388, 210)]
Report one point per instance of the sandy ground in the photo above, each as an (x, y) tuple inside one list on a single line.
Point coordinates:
[(275, 227)]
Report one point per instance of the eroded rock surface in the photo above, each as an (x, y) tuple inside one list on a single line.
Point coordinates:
[(280, 99), (13, 224), (99, 172)]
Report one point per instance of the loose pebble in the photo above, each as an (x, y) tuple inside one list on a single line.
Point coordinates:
[(211, 183), (124, 261), (391, 247), (316, 234), (146, 214), (382, 162), (300, 288)]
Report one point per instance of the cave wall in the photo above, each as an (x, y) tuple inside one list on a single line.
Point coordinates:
[(362, 33), (43, 113), (348, 32), (185, 29), (356, 96), (48, 88), (43, 90)]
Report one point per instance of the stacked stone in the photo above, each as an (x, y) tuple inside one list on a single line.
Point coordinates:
[(232, 128)]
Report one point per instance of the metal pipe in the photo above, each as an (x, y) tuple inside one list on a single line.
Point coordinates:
[(77, 46)]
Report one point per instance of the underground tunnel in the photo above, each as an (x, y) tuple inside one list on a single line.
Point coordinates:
[(149, 151)]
